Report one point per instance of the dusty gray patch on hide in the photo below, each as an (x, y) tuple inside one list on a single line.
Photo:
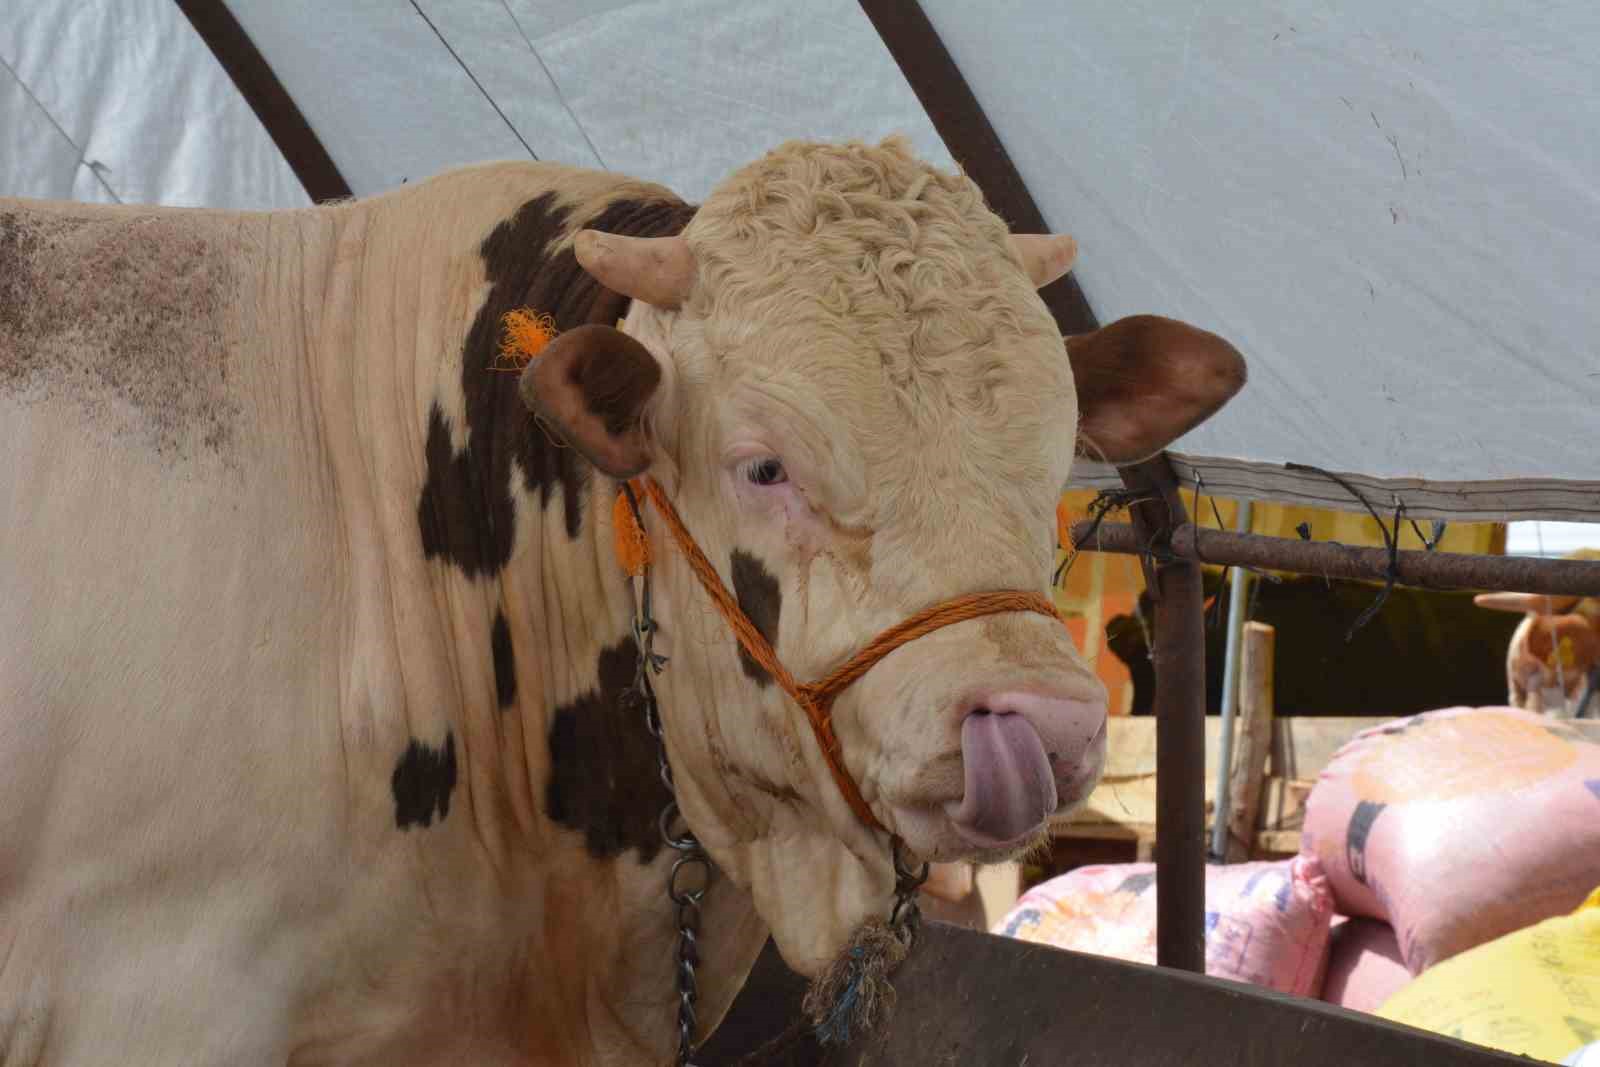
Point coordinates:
[(119, 314)]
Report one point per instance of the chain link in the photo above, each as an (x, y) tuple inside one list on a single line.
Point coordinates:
[(691, 871), (906, 916)]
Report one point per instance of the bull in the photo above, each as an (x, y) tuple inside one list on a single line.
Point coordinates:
[(316, 743)]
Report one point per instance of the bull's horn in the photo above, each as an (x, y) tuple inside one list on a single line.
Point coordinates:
[(657, 270), (1045, 256)]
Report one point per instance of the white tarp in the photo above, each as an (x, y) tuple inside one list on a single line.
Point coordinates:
[(677, 91), (1390, 210), (119, 100)]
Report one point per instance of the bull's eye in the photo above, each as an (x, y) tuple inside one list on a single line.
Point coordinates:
[(767, 471)]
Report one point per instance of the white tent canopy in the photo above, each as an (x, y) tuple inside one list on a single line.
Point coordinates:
[(1391, 211)]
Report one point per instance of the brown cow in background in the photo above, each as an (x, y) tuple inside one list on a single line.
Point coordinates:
[(1555, 650)]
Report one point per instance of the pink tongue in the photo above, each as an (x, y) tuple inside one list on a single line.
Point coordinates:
[(1009, 786)]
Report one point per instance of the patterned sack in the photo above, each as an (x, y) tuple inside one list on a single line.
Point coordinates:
[(1266, 923), (1458, 826), (1364, 965), (1532, 993)]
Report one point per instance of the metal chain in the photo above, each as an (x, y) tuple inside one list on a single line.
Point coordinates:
[(906, 915), (688, 891), (691, 871)]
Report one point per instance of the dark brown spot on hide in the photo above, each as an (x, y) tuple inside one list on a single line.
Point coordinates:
[(762, 602), (422, 782), (605, 777), (124, 315), (505, 664), (466, 513)]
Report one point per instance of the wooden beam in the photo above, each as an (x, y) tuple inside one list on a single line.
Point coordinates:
[(962, 125), (267, 97), (1249, 768)]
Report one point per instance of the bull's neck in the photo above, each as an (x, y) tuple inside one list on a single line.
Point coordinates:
[(518, 647)]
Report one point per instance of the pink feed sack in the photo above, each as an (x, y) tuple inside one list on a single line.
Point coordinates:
[(1364, 965), (1266, 923), (1458, 826)]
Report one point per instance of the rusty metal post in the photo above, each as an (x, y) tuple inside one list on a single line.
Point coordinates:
[(1179, 656)]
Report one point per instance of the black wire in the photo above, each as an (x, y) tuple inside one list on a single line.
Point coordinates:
[(1105, 502), (1390, 574), (468, 71), (555, 87), (1390, 542), (1214, 612)]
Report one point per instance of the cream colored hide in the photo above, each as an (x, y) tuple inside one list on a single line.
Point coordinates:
[(312, 641)]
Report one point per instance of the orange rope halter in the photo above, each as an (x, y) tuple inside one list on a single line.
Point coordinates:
[(815, 698), (525, 335)]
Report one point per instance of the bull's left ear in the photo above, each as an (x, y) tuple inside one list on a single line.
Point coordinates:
[(1144, 381), (590, 385)]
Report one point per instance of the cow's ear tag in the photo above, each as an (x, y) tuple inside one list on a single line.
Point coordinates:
[(524, 335)]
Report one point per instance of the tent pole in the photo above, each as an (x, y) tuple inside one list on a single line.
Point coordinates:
[(261, 89), (1329, 559), (1179, 658), (1237, 590), (961, 123)]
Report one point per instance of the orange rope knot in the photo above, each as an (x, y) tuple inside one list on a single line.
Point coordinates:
[(524, 334)]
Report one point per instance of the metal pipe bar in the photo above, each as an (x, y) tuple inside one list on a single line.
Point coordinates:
[(1179, 659), (1230, 696), (1329, 559)]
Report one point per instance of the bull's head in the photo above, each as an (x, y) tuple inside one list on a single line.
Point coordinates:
[(844, 377)]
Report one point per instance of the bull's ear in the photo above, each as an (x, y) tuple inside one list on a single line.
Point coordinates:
[(590, 385), (1532, 603), (1145, 381)]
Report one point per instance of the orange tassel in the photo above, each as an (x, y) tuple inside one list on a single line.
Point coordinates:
[(524, 334), (633, 548)]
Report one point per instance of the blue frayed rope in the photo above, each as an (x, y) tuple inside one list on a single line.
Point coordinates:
[(836, 1029)]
